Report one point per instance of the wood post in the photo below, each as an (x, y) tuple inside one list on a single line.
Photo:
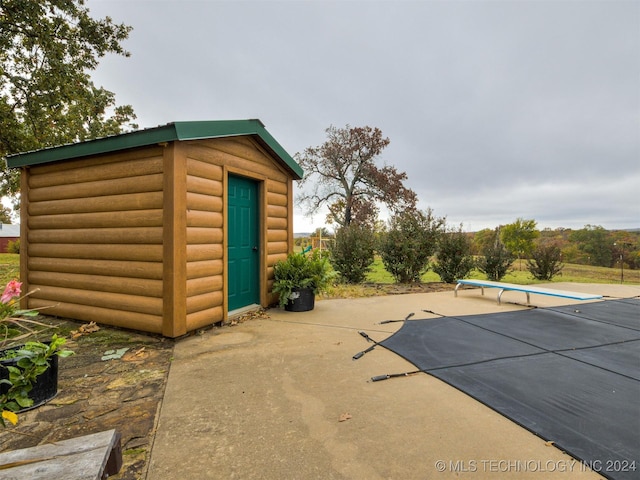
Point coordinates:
[(174, 321)]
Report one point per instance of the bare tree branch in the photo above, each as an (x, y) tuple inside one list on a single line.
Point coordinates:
[(342, 175)]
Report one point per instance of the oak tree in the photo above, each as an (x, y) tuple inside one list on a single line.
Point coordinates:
[(342, 175), (47, 97)]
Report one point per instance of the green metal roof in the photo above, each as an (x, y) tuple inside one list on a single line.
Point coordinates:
[(197, 130)]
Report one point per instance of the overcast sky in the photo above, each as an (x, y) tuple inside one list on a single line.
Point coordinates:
[(496, 110)]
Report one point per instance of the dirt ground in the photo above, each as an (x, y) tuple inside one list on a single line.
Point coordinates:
[(116, 379)]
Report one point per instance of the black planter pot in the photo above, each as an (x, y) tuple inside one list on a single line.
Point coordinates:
[(303, 300), (44, 389)]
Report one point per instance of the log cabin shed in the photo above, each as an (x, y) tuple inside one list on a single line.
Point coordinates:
[(163, 230)]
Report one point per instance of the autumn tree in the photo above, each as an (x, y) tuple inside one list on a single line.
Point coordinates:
[(47, 50), (625, 248), (518, 237), (342, 175), (481, 240), (594, 242)]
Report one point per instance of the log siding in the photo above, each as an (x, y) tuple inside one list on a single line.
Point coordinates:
[(94, 234), (209, 163), (136, 238)]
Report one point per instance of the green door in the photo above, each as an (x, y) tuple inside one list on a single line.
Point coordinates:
[(242, 237)]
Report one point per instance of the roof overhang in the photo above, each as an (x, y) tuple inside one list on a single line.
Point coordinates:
[(196, 130)]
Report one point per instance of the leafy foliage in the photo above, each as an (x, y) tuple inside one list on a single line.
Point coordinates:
[(482, 239), (46, 94), (518, 237), (301, 271), (545, 262), (496, 259), (594, 241), (342, 175), (454, 259), (5, 213), (409, 243), (13, 246), (31, 360), (352, 252)]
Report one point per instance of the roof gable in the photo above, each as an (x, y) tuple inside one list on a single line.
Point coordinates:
[(196, 130)]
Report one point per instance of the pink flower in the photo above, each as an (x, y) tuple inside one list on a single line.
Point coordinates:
[(11, 290)]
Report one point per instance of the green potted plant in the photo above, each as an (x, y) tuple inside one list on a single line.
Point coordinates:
[(29, 370), (299, 278)]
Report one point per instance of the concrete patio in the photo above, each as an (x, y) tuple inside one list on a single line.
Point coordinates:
[(265, 399)]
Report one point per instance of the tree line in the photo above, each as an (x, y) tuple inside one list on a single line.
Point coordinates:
[(414, 242), (591, 245)]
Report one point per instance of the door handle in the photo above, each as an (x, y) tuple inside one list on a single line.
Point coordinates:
[(255, 249)]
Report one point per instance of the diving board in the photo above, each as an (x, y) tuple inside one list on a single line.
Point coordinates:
[(528, 289)]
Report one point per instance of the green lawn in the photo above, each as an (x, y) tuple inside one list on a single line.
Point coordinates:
[(570, 273), (9, 267)]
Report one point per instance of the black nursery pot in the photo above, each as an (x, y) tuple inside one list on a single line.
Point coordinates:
[(304, 301), (45, 387)]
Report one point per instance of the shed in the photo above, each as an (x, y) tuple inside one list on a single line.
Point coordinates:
[(8, 233), (163, 230)]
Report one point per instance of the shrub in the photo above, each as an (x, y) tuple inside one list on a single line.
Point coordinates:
[(301, 271), (545, 262), (409, 243), (13, 246), (454, 259), (352, 253), (496, 259)]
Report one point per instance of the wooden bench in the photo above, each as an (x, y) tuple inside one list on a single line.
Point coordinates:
[(528, 289), (91, 457)]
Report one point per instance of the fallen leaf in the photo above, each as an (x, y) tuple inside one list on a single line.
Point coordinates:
[(134, 355), (549, 443), (85, 329), (8, 415), (344, 417)]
